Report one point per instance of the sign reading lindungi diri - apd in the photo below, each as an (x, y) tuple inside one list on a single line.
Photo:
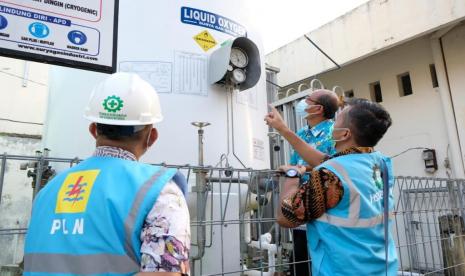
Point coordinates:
[(74, 33)]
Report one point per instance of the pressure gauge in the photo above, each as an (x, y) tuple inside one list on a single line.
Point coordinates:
[(239, 57), (238, 76)]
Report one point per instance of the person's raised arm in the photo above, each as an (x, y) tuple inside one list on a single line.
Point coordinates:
[(312, 156)]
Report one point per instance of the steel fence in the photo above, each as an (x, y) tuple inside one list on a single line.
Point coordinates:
[(429, 227), (233, 226)]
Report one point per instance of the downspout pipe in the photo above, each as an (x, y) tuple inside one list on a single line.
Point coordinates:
[(456, 152)]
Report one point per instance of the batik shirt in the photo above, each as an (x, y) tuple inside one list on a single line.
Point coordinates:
[(319, 137), (321, 192), (165, 236)]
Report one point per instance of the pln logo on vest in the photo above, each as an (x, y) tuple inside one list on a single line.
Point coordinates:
[(75, 192)]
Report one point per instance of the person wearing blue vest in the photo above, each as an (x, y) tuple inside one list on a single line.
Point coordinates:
[(349, 232), (110, 214), (318, 109)]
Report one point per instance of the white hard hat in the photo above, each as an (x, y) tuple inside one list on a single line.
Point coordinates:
[(124, 99)]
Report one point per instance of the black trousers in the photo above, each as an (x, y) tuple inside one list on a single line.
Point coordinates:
[(300, 254)]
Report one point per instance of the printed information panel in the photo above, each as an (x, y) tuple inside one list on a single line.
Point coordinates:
[(73, 33)]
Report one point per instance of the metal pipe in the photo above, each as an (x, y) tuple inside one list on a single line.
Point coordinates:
[(457, 162), (312, 84), (323, 52), (38, 179), (2, 174), (26, 73), (232, 135), (242, 180), (200, 189)]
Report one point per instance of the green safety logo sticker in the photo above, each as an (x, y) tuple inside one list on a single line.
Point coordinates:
[(112, 104)]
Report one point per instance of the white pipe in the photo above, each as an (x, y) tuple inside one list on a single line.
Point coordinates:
[(290, 90), (312, 84), (264, 244), (247, 234), (336, 88), (301, 86), (26, 73), (457, 167)]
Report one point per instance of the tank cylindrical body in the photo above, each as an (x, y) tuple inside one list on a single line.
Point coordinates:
[(156, 41), (169, 43)]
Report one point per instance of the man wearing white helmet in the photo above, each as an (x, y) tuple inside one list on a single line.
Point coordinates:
[(110, 214)]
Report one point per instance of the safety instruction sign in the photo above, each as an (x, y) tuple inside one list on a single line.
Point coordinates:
[(73, 33), (205, 40)]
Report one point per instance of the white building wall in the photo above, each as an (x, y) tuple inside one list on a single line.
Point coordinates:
[(16, 199), (454, 54), (25, 103), (418, 119), (366, 30), (22, 100)]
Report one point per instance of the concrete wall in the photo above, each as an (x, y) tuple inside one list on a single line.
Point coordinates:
[(366, 30), (21, 100), (454, 54), (418, 119), (16, 199), (25, 103)]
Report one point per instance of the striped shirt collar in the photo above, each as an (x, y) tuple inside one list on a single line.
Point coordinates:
[(107, 151), (320, 128)]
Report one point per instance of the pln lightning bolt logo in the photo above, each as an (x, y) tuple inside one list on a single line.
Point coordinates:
[(74, 194)]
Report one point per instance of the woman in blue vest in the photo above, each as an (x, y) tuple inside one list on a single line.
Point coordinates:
[(110, 214), (342, 204)]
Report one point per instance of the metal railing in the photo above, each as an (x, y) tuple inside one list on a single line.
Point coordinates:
[(233, 226)]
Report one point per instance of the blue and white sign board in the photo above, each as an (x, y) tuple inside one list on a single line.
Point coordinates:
[(74, 33), (212, 21)]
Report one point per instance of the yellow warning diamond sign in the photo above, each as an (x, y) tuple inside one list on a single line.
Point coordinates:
[(205, 40)]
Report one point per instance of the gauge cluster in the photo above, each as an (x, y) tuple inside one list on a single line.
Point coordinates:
[(238, 62), (235, 64)]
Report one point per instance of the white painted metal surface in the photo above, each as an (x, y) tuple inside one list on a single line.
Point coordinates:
[(156, 44)]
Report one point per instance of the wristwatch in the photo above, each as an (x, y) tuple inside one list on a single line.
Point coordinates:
[(292, 173)]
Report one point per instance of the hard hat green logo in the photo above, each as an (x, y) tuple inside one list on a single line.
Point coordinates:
[(113, 104)]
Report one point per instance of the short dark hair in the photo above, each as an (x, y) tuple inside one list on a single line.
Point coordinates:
[(120, 133), (368, 121), (330, 105)]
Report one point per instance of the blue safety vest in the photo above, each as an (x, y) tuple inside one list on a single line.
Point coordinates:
[(88, 220), (349, 238)]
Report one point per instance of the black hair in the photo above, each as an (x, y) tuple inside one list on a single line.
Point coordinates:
[(368, 121), (120, 133), (330, 105)]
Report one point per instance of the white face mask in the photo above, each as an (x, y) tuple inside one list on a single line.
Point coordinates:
[(339, 129), (302, 106)]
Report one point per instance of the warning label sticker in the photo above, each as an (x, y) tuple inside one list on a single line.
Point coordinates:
[(205, 40)]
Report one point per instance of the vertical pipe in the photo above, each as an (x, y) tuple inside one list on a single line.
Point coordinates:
[(200, 132), (26, 73), (457, 161), (200, 189), (233, 134), (221, 227), (38, 179), (2, 174)]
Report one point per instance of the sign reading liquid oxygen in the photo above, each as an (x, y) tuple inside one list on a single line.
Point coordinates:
[(74, 33), (212, 21)]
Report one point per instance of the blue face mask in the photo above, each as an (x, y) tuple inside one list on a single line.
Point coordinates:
[(300, 108)]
